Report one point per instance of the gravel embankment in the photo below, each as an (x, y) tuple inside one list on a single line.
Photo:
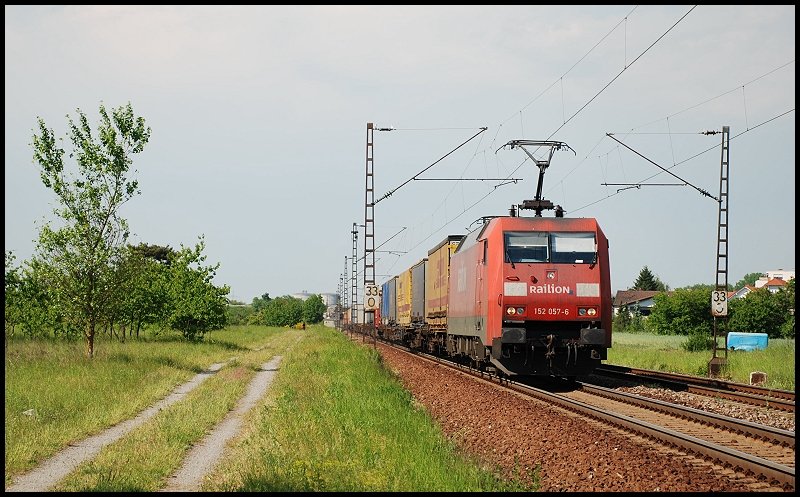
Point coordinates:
[(574, 454)]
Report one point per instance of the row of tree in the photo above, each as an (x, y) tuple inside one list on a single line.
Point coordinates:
[(687, 311), (146, 286), (280, 311), (649, 281), (83, 275)]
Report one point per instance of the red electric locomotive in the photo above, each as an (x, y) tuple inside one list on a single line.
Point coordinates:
[(518, 295), (531, 296)]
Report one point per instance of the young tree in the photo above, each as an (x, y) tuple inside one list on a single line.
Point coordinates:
[(78, 258), (282, 311), (314, 309), (260, 303), (142, 285), (197, 305), (648, 281)]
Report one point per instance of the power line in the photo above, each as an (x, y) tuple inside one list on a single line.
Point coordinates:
[(622, 71), (762, 76), (586, 104), (390, 192), (703, 192), (560, 78), (688, 159), (718, 96), (481, 199), (571, 117)]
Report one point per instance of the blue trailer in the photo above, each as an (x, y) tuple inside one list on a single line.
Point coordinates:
[(747, 341)]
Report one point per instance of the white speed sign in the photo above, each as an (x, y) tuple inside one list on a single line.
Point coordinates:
[(371, 298), (719, 303)]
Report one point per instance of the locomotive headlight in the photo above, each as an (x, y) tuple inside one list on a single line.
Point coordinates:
[(581, 311), (511, 311), (592, 311), (520, 310)]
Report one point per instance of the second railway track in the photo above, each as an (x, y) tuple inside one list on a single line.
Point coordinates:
[(783, 400), (763, 452)]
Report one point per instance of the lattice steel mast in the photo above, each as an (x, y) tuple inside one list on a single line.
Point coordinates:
[(721, 317)]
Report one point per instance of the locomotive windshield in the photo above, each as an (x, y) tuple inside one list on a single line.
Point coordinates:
[(572, 248), (526, 247)]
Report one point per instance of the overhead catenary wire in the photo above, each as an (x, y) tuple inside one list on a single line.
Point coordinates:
[(687, 159), (678, 163), (691, 107), (390, 192), (627, 66), (607, 85), (561, 78)]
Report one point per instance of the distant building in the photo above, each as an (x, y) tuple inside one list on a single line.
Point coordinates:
[(330, 299), (774, 280), (632, 300), (741, 292), (773, 285)]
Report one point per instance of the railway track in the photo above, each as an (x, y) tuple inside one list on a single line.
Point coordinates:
[(760, 449), (783, 400), (762, 452)]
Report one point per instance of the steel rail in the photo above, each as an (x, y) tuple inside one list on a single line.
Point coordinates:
[(711, 387), (779, 473)]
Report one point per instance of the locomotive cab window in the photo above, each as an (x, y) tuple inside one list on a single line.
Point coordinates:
[(573, 248), (570, 248), (526, 247)]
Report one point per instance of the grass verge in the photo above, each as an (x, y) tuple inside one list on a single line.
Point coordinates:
[(664, 353), (336, 420), (56, 396)]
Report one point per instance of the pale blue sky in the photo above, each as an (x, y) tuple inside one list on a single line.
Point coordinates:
[(259, 113)]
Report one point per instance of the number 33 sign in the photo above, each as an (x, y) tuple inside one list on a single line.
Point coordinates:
[(719, 303)]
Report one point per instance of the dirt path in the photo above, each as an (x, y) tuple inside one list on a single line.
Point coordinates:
[(53, 470), (204, 456)]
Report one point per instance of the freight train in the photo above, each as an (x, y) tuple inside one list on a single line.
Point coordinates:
[(526, 296)]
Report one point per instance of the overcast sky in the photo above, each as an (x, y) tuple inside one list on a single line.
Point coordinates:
[(259, 118)]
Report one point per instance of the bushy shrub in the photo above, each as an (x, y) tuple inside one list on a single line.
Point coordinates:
[(698, 341)]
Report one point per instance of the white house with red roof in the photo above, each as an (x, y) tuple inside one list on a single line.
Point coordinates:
[(772, 281)]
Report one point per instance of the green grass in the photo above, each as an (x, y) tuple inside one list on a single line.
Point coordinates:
[(55, 395), (336, 420), (664, 353), (154, 451), (143, 460)]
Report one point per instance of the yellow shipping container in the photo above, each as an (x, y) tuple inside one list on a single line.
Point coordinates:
[(436, 281), (404, 298)]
